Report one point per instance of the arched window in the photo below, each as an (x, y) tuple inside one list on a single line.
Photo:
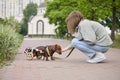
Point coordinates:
[(40, 27)]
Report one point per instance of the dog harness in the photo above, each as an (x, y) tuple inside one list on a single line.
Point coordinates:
[(48, 52), (41, 51)]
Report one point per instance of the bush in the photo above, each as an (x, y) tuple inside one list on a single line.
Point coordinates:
[(9, 43)]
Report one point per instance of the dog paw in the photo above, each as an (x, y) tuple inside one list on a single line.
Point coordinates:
[(47, 60), (53, 59)]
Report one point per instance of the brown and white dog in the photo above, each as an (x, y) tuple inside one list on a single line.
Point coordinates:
[(45, 51)]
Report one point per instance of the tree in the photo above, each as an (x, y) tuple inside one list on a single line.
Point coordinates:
[(115, 7), (58, 10), (30, 10), (109, 8), (113, 20)]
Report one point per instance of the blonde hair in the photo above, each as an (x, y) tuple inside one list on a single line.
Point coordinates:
[(73, 20)]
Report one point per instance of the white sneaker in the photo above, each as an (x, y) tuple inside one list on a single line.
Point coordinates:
[(98, 58)]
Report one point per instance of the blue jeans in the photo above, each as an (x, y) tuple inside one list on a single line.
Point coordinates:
[(88, 49)]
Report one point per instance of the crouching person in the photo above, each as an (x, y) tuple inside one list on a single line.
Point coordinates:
[(90, 37)]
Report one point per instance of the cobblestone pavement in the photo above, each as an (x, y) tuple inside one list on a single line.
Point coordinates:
[(74, 67)]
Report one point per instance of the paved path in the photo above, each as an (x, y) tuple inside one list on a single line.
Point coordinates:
[(72, 68)]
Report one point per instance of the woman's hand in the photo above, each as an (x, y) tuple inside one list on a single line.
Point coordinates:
[(67, 48), (63, 50)]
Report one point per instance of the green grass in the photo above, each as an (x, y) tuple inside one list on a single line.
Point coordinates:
[(116, 42)]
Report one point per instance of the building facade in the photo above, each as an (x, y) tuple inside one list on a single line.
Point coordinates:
[(15, 7), (37, 25)]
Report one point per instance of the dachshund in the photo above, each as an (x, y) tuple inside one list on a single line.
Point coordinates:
[(44, 51), (47, 51)]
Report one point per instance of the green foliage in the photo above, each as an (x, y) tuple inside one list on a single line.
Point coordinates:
[(9, 42), (108, 21), (30, 10), (95, 9), (12, 22), (9, 38), (58, 10)]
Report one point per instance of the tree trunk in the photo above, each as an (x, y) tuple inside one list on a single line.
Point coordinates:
[(113, 21), (92, 14)]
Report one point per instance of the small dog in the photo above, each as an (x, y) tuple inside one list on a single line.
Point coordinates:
[(30, 52), (47, 51), (44, 51)]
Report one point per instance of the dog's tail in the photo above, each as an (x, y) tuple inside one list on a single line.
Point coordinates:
[(70, 52)]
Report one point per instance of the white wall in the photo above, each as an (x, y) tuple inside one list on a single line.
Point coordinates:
[(48, 28)]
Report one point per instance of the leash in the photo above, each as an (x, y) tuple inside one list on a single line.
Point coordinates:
[(70, 53)]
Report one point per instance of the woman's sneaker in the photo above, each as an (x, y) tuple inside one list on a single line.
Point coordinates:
[(98, 58)]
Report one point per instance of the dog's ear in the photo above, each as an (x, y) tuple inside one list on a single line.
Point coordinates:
[(53, 47), (56, 46)]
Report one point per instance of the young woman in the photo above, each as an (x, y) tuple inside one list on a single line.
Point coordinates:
[(90, 37)]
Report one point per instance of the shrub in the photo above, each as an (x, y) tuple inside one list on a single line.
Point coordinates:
[(9, 43)]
